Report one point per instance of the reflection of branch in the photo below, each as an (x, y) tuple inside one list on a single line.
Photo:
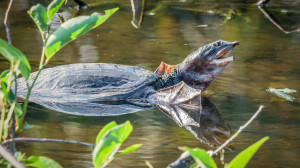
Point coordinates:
[(141, 15), (238, 132), (268, 16), (46, 140), (6, 22), (81, 4), (10, 158), (262, 2)]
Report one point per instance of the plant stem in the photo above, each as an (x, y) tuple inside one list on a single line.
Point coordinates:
[(13, 128), (9, 115), (2, 119), (41, 67), (27, 99), (238, 132), (23, 139), (10, 158)]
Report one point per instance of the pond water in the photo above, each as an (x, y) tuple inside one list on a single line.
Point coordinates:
[(170, 30)]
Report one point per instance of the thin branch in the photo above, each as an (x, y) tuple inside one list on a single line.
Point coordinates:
[(262, 2), (268, 16), (133, 6), (23, 139), (238, 132), (10, 158), (6, 23)]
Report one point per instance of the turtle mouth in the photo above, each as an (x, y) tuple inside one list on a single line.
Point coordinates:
[(221, 57)]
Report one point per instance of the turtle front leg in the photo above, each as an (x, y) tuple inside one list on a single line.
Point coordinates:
[(178, 94)]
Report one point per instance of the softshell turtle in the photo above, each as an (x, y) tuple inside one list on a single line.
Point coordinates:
[(99, 82)]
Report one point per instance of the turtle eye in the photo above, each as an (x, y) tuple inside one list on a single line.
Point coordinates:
[(217, 43)]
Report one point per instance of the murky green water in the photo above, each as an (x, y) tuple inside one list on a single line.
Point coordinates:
[(170, 30)]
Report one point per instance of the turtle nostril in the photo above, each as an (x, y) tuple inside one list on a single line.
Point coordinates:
[(236, 43)]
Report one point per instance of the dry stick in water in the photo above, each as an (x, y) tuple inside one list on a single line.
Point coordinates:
[(238, 132), (23, 139)]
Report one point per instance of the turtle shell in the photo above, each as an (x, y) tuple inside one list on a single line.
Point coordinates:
[(87, 82)]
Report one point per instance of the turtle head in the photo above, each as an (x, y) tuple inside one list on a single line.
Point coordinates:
[(204, 65)]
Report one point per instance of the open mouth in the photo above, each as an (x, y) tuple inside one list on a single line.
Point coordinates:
[(221, 59)]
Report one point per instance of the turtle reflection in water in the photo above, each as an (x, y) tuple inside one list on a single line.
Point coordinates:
[(127, 88), (203, 121)]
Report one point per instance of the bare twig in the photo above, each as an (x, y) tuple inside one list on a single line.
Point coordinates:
[(268, 16), (10, 158), (6, 22), (23, 139), (261, 2), (133, 6), (238, 132)]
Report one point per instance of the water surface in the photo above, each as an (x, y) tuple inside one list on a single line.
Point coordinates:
[(171, 30)]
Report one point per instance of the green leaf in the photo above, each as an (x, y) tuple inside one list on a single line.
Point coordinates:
[(53, 8), (201, 157), (41, 162), (110, 143), (4, 74), (4, 89), (18, 110), (39, 16), (11, 53), (11, 96), (104, 130), (130, 149), (72, 29), (243, 158)]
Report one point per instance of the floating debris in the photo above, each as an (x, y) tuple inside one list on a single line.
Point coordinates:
[(283, 93)]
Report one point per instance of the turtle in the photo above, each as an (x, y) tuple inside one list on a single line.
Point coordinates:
[(66, 88)]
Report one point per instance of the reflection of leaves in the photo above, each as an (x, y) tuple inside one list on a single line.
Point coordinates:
[(73, 28), (283, 93)]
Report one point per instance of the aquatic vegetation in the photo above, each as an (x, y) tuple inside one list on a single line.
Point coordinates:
[(283, 93)]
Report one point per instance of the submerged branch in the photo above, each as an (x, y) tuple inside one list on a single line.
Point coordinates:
[(10, 158), (23, 139), (238, 132)]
